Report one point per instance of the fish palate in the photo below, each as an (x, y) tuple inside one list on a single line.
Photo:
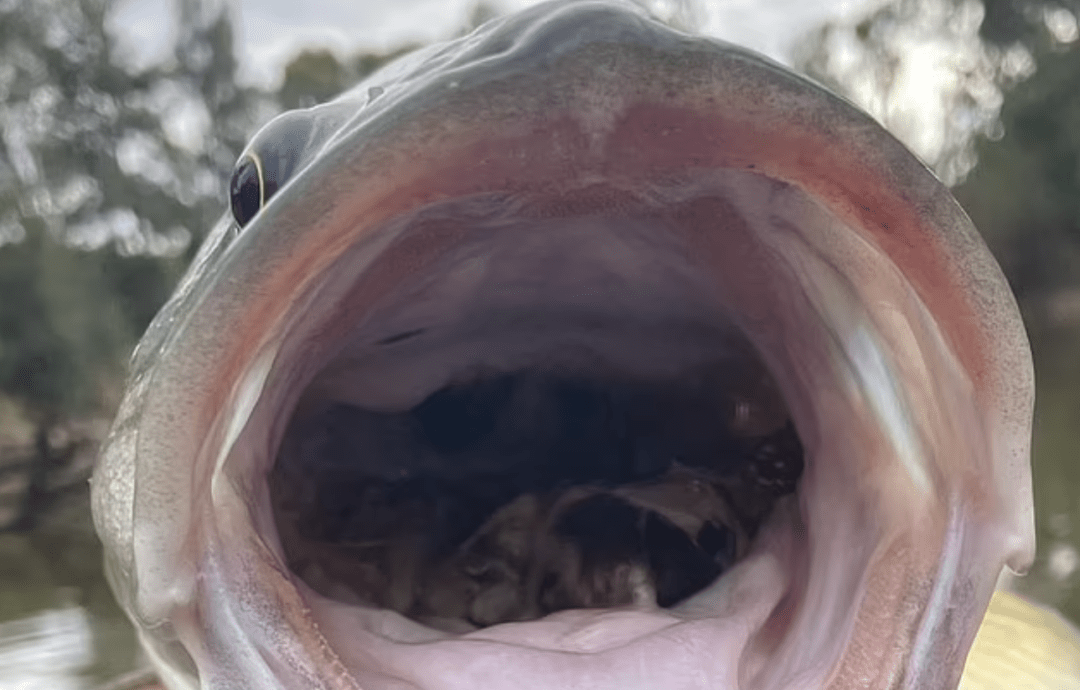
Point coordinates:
[(577, 352)]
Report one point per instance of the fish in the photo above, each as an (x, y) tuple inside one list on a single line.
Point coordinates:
[(576, 279)]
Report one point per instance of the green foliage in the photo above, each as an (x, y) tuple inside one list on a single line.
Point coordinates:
[(316, 76), (1009, 116), (1025, 193), (312, 77), (60, 328), (1007, 22), (921, 69), (108, 180)]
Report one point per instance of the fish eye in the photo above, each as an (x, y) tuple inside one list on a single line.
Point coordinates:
[(267, 164), (246, 190)]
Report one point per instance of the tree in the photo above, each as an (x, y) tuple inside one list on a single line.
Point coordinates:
[(1025, 193), (106, 175), (316, 76)]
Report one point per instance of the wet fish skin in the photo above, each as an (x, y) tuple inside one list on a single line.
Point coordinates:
[(602, 86)]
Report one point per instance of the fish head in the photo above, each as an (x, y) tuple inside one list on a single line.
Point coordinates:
[(574, 198)]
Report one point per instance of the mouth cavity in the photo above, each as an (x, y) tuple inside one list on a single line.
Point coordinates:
[(653, 433), (567, 482)]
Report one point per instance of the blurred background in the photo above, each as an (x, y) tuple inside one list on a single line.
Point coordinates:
[(120, 122)]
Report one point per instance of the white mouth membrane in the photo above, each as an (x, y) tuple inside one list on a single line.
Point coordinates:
[(401, 468)]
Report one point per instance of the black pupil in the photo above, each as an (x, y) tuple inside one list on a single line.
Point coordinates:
[(244, 191)]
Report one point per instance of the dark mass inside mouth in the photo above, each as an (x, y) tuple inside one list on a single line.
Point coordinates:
[(506, 496)]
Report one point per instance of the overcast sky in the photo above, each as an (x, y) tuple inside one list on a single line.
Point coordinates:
[(273, 31)]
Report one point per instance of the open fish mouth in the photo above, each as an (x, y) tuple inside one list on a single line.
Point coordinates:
[(577, 353), (567, 456)]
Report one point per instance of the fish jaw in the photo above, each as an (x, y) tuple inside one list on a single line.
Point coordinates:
[(690, 179)]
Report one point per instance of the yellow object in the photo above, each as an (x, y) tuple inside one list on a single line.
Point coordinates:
[(1022, 646)]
